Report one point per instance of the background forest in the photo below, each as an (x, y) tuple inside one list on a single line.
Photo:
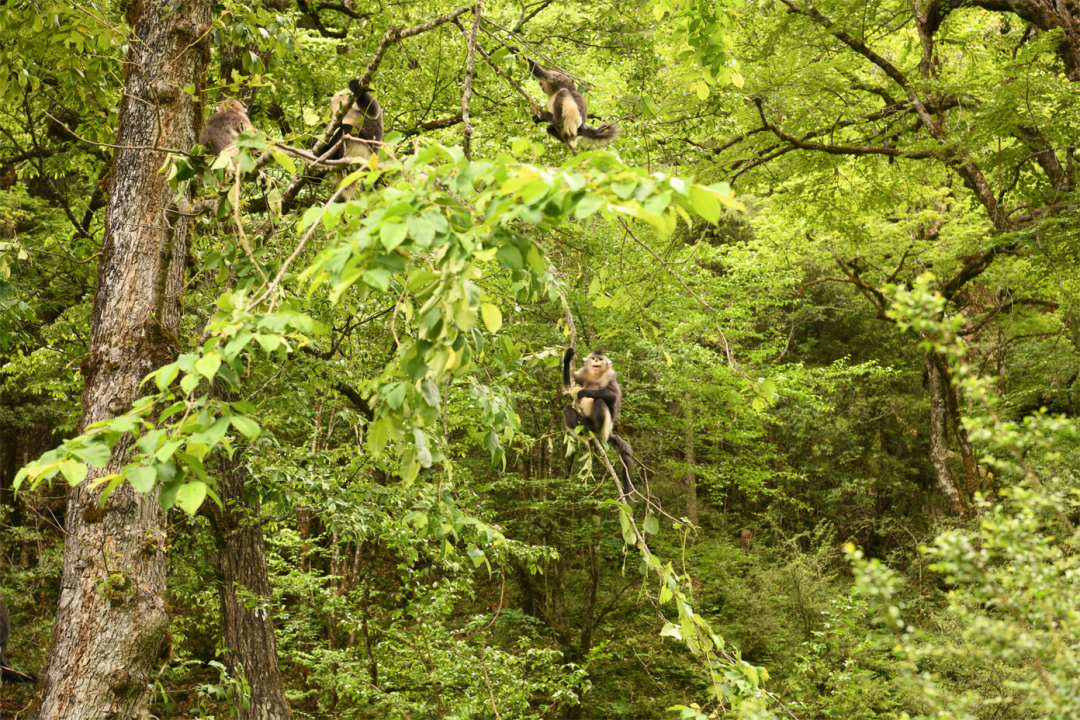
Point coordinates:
[(832, 255)]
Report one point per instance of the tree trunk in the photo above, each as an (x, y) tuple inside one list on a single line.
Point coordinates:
[(938, 385), (112, 626), (248, 634), (691, 460)]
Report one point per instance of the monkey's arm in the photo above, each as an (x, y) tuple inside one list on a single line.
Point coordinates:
[(364, 101), (568, 357), (607, 394)]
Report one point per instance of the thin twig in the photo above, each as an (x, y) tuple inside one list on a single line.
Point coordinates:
[(487, 681), (664, 263), (285, 267)]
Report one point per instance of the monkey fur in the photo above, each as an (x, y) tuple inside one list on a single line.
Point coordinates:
[(362, 126), (9, 675), (597, 406), (224, 127), (567, 112)]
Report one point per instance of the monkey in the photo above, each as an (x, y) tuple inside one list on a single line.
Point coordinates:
[(362, 126), (597, 406), (566, 112), (224, 126), (8, 674)]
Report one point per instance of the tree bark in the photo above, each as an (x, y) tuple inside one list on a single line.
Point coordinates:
[(112, 626), (248, 634), (938, 386)]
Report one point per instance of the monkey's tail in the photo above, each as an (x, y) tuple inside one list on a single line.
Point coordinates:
[(14, 676), (626, 456), (599, 136)]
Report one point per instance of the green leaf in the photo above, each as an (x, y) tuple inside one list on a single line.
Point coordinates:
[(492, 317), (75, 472), (393, 234), (284, 161), (190, 496), (430, 391), (705, 203), (652, 525), (510, 257), (96, 452), (377, 278), (589, 205), (142, 478), (166, 375), (421, 229), (246, 425), (395, 394), (208, 365), (377, 435)]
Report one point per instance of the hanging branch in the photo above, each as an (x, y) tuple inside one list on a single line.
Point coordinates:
[(569, 319), (707, 306), (466, 94), (532, 106), (392, 35)]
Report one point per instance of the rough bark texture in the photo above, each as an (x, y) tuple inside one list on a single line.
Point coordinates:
[(112, 625), (938, 386), (248, 634)]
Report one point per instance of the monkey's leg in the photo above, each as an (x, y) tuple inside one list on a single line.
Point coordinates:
[(571, 419), (545, 116), (600, 420)]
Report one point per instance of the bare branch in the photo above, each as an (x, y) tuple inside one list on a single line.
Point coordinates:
[(466, 93)]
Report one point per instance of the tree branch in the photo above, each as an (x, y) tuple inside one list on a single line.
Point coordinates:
[(466, 93)]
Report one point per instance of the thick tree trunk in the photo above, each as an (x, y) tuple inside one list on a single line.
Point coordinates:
[(248, 634), (938, 386), (112, 626)]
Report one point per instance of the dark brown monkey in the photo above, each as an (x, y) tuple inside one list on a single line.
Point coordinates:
[(10, 675), (362, 124), (224, 127), (566, 112), (597, 406), (362, 127)]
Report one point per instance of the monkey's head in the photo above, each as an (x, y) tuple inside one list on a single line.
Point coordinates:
[(597, 362), (555, 82), (233, 105)]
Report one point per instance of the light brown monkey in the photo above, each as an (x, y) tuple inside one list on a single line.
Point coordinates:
[(224, 127), (567, 112), (597, 406)]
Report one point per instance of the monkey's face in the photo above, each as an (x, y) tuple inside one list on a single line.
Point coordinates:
[(597, 363), (556, 82), (234, 105)]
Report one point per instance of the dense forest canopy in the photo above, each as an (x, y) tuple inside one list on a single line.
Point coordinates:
[(281, 429)]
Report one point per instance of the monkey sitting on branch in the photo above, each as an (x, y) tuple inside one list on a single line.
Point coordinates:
[(224, 126), (361, 129), (596, 406), (567, 112)]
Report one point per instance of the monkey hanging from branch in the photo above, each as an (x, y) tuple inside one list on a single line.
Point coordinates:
[(567, 112), (596, 406)]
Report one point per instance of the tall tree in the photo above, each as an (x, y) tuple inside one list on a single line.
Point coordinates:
[(112, 627)]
